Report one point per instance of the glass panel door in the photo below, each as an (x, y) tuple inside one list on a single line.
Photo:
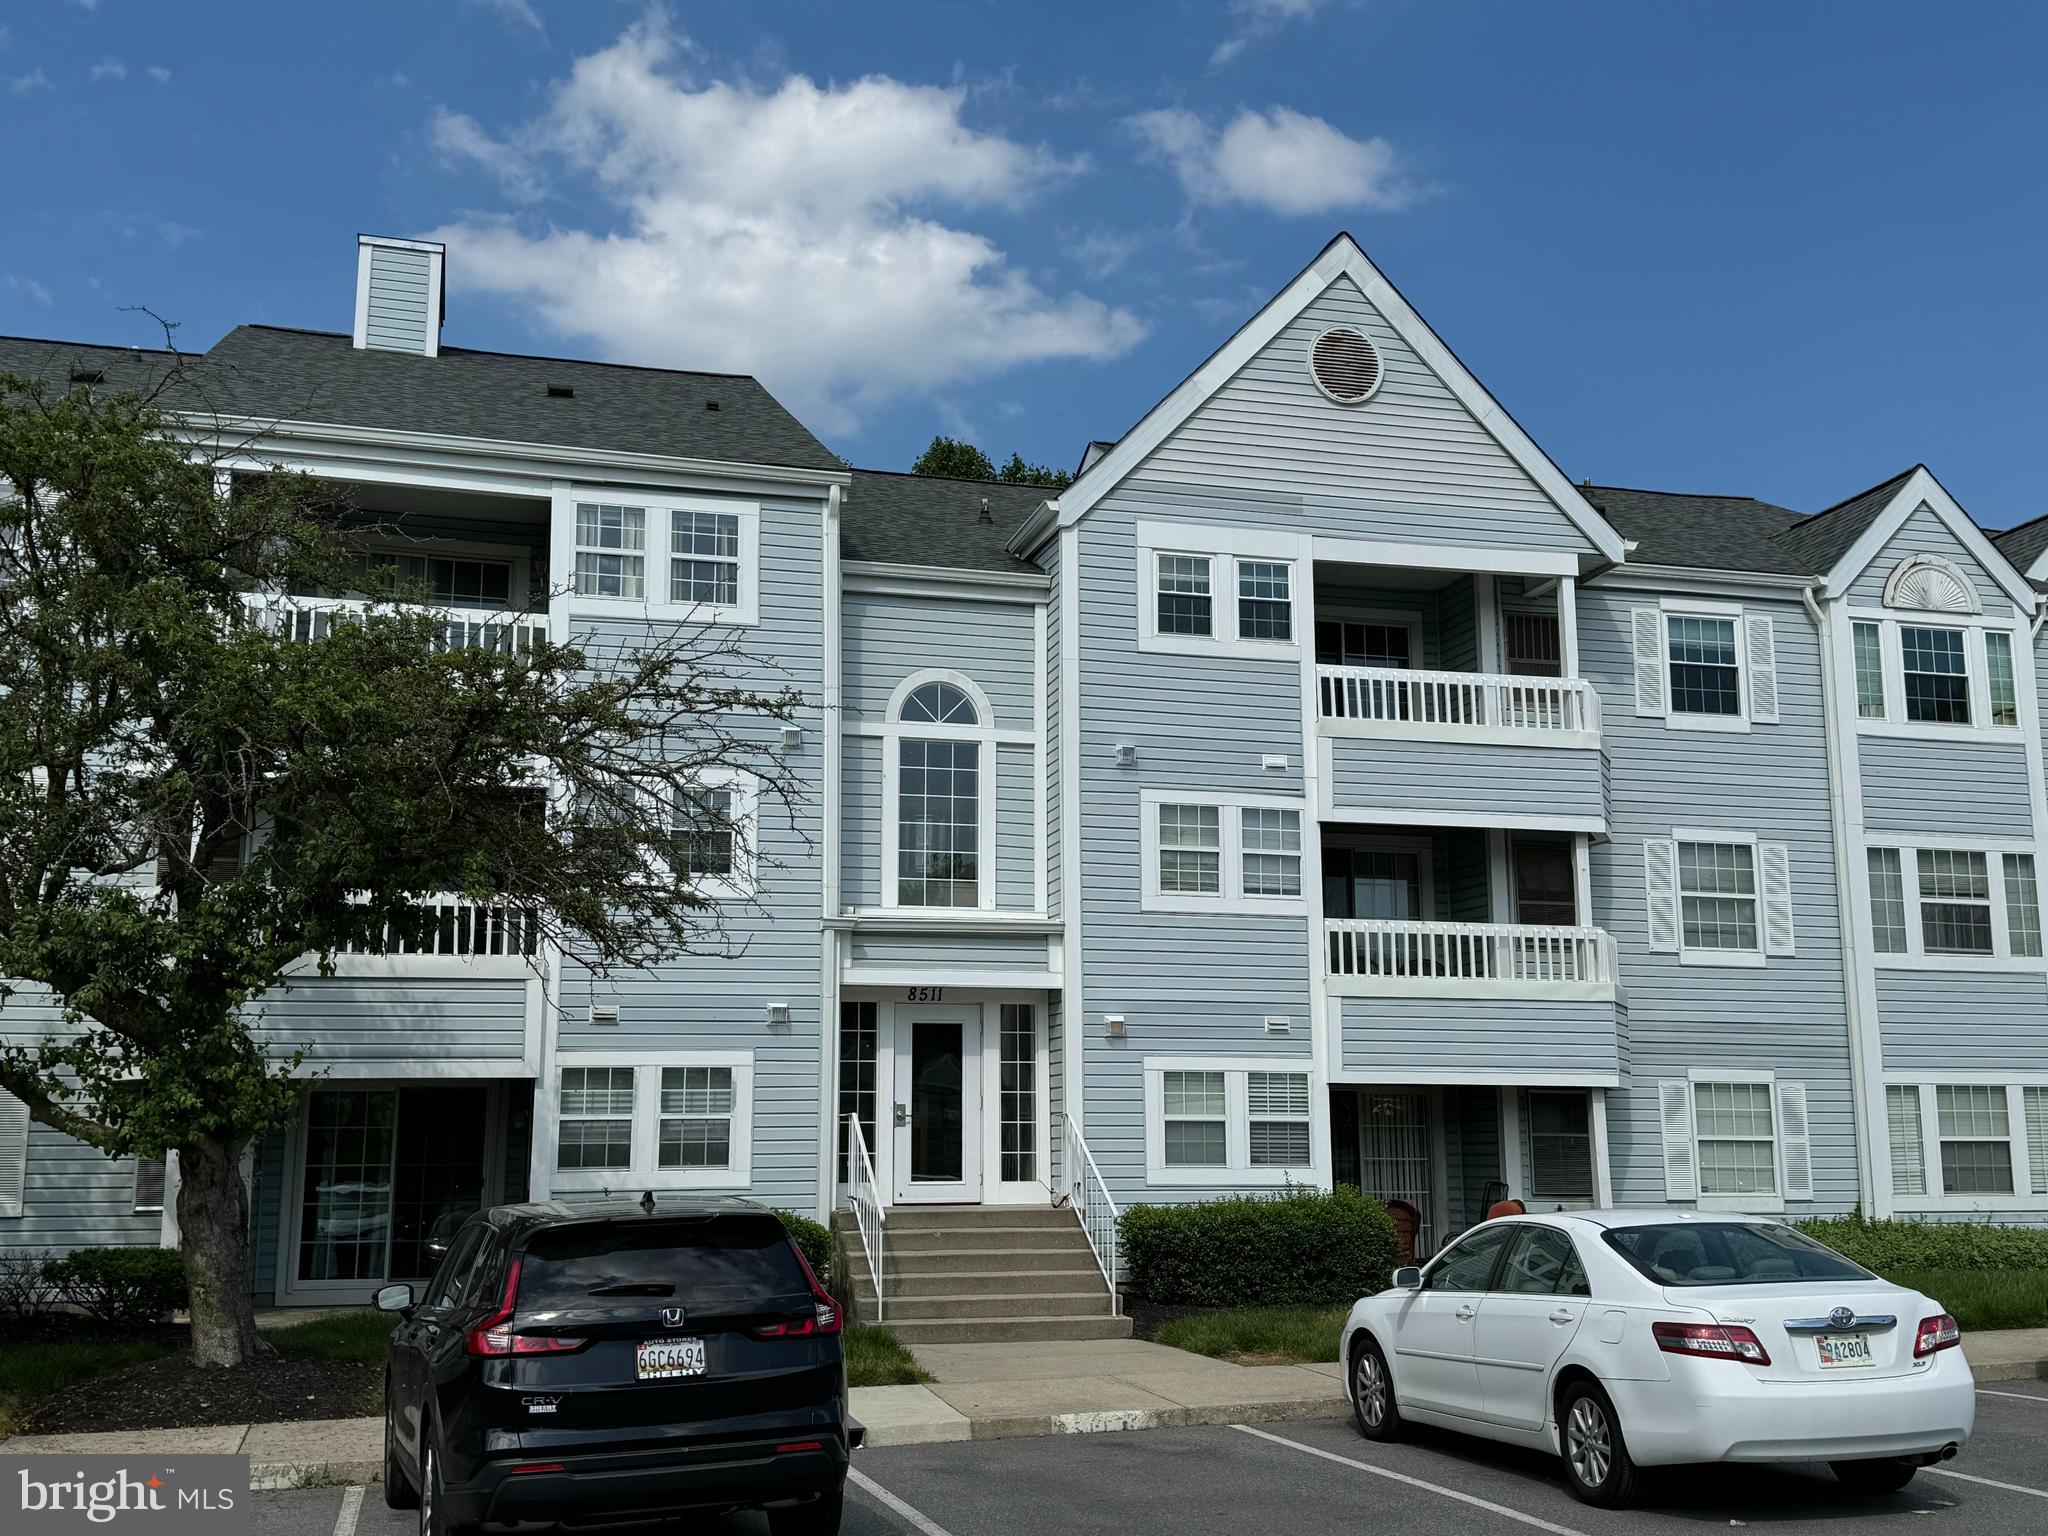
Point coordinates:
[(438, 1180), (938, 1102), (345, 1207), (1394, 1161)]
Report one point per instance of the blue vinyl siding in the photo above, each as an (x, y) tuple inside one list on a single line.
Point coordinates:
[(888, 638), (75, 1196), (1963, 1021), (399, 299), (1016, 829), (1408, 1035), (1788, 1016), (1371, 773), (394, 1021), (1916, 788), (860, 816), (1017, 951), (1924, 533)]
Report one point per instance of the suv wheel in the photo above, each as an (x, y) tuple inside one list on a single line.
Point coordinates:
[(434, 1519), (1372, 1393), (399, 1492), (1597, 1465), (820, 1517)]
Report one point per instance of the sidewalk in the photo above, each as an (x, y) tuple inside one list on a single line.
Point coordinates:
[(981, 1392)]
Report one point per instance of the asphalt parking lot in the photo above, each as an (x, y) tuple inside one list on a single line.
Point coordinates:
[(1318, 1476)]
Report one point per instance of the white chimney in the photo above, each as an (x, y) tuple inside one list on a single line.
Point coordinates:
[(399, 294)]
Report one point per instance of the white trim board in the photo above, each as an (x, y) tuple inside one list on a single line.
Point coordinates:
[(1341, 259)]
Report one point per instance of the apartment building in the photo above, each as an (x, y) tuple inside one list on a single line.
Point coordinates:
[(1324, 787)]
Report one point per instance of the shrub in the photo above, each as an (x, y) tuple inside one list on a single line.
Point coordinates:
[(123, 1286), (1296, 1248), (26, 1289), (813, 1241), (1884, 1246)]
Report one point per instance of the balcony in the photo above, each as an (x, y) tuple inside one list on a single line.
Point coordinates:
[(314, 618), (1379, 957), (1399, 744)]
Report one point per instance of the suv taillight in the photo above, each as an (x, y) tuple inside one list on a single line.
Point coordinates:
[(825, 1315), (1936, 1333), (494, 1336), (1710, 1341)]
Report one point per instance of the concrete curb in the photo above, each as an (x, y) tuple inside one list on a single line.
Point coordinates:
[(277, 1476), (1116, 1420), (2011, 1370)]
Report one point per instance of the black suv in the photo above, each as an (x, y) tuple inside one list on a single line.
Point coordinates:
[(614, 1361)]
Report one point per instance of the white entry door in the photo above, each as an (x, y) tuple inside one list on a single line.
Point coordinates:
[(938, 1104)]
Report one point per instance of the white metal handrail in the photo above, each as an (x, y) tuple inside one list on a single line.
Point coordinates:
[(1457, 700), (864, 1195), (1090, 1197), (463, 927), (1389, 949), (314, 618)]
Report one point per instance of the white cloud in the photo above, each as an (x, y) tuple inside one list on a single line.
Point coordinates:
[(174, 234), (1280, 160), (88, 5), (159, 74), (1253, 20), (28, 84), (518, 13), (109, 69), (32, 288), (1102, 252), (794, 232)]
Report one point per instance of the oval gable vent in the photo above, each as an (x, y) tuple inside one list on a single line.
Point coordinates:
[(1345, 366)]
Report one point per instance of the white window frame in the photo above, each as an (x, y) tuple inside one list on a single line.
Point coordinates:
[(1231, 895), (741, 883), (1915, 957), (658, 553), (1976, 666), (984, 734), (2023, 1173), (1237, 1170), (1225, 549), (1791, 1154), (644, 1171), (519, 558), (1756, 666)]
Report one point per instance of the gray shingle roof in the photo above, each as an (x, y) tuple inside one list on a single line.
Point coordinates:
[(1722, 533), (926, 520), (320, 376), (53, 363), (1822, 539), (2023, 545)]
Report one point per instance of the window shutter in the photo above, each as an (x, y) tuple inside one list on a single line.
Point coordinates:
[(1794, 1142), (149, 1183), (1762, 647), (1774, 878), (13, 1153), (1674, 1103), (1649, 654), (1660, 884)]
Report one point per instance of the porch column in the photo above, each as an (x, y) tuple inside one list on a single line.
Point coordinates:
[(1568, 625)]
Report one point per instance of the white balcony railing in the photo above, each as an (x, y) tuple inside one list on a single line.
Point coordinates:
[(312, 618), (1376, 956), (1457, 703), (461, 928)]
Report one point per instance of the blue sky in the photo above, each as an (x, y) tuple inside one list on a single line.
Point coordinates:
[(1763, 249)]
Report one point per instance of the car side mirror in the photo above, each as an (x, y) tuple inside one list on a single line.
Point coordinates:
[(393, 1298), (1408, 1278)]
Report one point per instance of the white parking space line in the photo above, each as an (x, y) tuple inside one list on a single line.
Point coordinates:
[(351, 1510), (1989, 1482), (921, 1522), (1413, 1482), (2025, 1397)]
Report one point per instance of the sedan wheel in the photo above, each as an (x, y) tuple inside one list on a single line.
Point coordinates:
[(1596, 1459), (1372, 1393)]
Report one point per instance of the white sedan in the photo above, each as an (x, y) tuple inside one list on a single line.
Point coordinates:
[(1626, 1339)]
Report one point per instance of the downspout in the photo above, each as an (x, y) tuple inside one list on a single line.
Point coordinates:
[(1863, 1075), (828, 937)]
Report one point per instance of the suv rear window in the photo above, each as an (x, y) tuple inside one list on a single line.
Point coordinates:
[(714, 1261), (1729, 1253)]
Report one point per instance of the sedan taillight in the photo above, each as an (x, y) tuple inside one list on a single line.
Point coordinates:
[(1710, 1341), (1936, 1333)]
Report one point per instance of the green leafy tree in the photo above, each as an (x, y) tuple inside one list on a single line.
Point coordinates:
[(1017, 472), (955, 460), (193, 801)]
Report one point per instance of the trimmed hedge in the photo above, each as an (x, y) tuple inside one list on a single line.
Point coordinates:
[(813, 1241), (1888, 1245), (1294, 1248), (123, 1286)]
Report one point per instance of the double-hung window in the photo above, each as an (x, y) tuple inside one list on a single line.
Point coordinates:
[(1560, 1144), (1966, 1146), (704, 558), (1705, 666), (1186, 606), (611, 544), (1868, 639), (712, 831), (1919, 677), (1216, 591), (697, 559), (1738, 1147), (1210, 853), (1717, 895), (1945, 907), (1935, 674), (1719, 898), (1223, 1120), (658, 1119), (1705, 677), (1265, 605), (1736, 1139)]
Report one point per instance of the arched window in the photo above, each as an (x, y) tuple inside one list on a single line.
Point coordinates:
[(941, 763)]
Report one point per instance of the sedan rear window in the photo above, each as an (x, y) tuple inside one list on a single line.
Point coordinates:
[(737, 1261), (1729, 1253)]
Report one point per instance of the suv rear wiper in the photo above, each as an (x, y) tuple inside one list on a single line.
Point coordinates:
[(633, 1288)]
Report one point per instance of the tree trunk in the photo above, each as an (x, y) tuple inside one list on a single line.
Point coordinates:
[(213, 1220)]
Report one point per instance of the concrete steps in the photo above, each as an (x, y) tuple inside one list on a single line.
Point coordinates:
[(994, 1274)]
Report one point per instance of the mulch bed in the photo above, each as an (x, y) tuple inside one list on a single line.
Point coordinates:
[(173, 1393)]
